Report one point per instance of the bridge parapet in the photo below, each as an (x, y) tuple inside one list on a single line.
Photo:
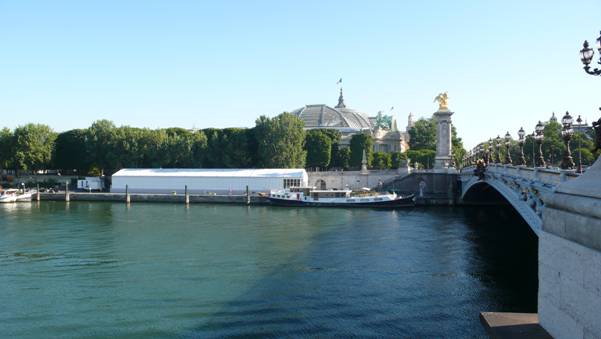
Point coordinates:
[(526, 189)]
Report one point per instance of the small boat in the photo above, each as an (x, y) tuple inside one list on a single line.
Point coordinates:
[(309, 196), (25, 196), (9, 195)]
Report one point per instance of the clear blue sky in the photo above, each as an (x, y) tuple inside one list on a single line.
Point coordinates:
[(223, 63)]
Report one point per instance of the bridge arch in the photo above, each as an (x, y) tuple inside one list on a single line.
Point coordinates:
[(495, 191)]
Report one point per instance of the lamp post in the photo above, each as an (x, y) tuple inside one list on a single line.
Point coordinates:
[(507, 144), (567, 162), (486, 154), (579, 170), (521, 135), (586, 56), (498, 144), (540, 136)]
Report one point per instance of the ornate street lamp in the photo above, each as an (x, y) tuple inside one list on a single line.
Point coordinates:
[(498, 144), (486, 154), (540, 136), (567, 162), (521, 135), (586, 56), (579, 170), (507, 144)]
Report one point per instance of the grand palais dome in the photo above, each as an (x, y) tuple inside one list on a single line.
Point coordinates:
[(339, 117)]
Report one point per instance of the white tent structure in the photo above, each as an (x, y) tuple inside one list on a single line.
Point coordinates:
[(203, 181)]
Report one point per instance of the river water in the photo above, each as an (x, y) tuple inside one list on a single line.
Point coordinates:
[(162, 270)]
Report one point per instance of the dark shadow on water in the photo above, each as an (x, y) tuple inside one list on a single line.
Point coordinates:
[(410, 273), (508, 252)]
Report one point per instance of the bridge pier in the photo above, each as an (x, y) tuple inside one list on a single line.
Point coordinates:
[(569, 297)]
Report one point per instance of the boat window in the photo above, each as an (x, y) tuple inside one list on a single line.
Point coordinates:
[(378, 199)]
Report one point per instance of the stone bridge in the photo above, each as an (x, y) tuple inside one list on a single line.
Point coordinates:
[(525, 189)]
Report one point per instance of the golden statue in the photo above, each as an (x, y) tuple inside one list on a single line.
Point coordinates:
[(443, 100)]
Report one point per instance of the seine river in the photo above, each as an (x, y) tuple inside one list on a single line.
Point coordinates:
[(160, 270)]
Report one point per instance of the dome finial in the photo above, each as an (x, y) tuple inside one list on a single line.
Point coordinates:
[(340, 100)]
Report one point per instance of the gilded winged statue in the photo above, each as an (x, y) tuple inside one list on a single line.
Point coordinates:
[(443, 99)]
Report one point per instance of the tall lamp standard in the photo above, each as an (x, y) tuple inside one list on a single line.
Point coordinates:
[(586, 56), (540, 136), (507, 144), (521, 135), (567, 162), (498, 142), (486, 154), (579, 170)]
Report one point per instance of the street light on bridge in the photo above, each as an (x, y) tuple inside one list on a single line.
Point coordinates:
[(521, 135), (539, 137), (498, 144), (586, 56), (486, 153), (567, 132), (579, 170), (507, 144)]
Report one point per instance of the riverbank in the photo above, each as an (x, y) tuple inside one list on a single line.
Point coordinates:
[(192, 198), (145, 197)]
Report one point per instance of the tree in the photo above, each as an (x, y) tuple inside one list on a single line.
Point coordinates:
[(235, 148), (424, 157), (553, 145), (101, 137), (397, 159), (70, 151), (318, 146), (33, 144), (382, 160), (342, 157), (280, 141), (423, 134), (213, 155), (6, 148), (359, 143)]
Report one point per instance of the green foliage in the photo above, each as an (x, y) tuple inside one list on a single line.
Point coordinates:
[(423, 134), (382, 160), (33, 145), (318, 146), (342, 157), (70, 151), (397, 158), (6, 148), (424, 157), (280, 141), (360, 142)]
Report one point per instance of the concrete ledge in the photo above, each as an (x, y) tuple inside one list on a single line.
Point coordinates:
[(513, 325)]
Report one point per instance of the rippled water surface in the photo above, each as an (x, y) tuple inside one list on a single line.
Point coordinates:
[(159, 270)]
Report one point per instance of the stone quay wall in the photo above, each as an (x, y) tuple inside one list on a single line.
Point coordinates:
[(354, 179)]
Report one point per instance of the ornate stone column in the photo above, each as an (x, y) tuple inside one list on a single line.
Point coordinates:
[(444, 148)]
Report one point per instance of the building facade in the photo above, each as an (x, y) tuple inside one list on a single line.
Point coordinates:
[(383, 129)]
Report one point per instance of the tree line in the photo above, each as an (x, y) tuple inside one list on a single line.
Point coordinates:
[(278, 142)]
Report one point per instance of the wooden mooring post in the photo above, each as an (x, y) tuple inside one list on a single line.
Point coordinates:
[(37, 193), (247, 196), (186, 196), (67, 196)]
